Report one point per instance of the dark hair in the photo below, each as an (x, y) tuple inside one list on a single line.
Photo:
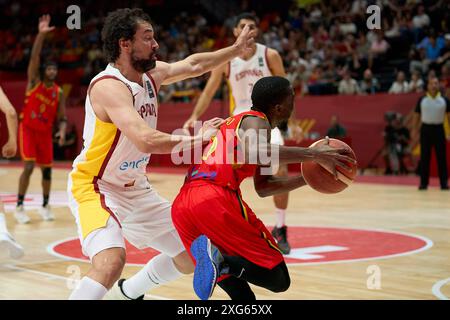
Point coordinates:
[(119, 24), (245, 15), (45, 65), (270, 91)]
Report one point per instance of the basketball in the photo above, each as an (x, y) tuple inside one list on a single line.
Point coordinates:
[(322, 179)]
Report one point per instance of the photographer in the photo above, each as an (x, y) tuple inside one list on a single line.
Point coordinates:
[(391, 144)]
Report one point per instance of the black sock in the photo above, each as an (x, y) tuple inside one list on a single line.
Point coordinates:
[(45, 200), (20, 199)]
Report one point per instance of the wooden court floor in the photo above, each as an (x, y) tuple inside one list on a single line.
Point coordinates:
[(395, 209)]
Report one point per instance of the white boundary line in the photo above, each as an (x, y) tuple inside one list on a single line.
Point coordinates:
[(428, 245), (437, 289), (51, 276)]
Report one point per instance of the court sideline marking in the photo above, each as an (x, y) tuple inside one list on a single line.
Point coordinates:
[(437, 289)]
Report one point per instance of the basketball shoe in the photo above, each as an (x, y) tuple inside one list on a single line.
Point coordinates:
[(208, 266), (280, 234), (46, 213), (7, 242), (20, 215), (116, 293)]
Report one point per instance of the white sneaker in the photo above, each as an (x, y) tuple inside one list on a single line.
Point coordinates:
[(20, 215), (46, 213), (7, 242), (116, 293)]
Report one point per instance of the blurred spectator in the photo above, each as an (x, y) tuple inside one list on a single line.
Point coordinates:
[(369, 84), (444, 54), (445, 79), (416, 84), (336, 130), (399, 85), (348, 85)]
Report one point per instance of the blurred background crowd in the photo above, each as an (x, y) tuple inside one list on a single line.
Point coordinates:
[(325, 45)]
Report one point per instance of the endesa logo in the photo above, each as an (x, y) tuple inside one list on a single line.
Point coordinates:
[(133, 164)]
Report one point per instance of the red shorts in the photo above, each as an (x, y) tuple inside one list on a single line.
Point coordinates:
[(221, 215), (36, 145)]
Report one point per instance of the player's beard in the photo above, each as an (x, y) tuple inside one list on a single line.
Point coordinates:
[(143, 65)]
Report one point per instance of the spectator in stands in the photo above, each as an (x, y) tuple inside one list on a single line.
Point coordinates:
[(444, 54), (369, 84), (416, 84), (336, 130), (420, 21), (348, 85), (399, 85), (378, 48), (445, 80)]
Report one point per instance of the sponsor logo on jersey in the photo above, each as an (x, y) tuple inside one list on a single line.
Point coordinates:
[(151, 94), (136, 164)]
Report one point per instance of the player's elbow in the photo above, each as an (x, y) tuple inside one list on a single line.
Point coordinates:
[(11, 113)]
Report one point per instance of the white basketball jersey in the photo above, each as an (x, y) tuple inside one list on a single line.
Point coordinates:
[(242, 76), (108, 156)]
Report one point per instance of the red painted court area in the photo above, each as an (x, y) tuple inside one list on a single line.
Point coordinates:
[(310, 245)]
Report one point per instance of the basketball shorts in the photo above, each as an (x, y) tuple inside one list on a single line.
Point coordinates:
[(36, 145), (106, 215), (222, 215)]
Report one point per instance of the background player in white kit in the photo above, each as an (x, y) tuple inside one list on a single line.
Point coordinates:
[(109, 193), (241, 74), (9, 150)]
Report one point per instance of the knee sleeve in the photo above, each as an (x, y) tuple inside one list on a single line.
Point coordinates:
[(47, 173)]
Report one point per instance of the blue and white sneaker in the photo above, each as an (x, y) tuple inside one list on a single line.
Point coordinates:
[(207, 268)]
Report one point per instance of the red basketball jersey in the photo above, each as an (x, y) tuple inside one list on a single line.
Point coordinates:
[(221, 158), (41, 104)]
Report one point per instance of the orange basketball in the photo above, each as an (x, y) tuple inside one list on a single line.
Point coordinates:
[(322, 179)]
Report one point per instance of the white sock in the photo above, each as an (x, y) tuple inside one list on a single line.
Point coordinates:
[(281, 217), (3, 223), (156, 272), (88, 289)]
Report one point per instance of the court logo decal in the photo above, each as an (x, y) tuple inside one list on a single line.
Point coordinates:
[(310, 245)]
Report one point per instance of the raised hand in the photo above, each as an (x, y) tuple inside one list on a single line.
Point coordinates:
[(44, 24), (245, 40)]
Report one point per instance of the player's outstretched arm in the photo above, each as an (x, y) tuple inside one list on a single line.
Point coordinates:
[(33, 65), (254, 135), (10, 148), (207, 95), (200, 63), (118, 109)]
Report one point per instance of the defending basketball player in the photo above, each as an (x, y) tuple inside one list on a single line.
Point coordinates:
[(241, 74), (225, 237), (109, 193), (44, 105), (9, 150)]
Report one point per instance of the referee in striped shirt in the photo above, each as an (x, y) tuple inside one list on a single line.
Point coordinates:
[(430, 116)]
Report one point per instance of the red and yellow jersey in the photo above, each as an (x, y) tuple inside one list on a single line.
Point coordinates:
[(222, 160), (41, 105)]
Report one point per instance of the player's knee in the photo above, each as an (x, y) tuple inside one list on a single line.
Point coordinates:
[(28, 168), (47, 173), (282, 279), (183, 263), (110, 268)]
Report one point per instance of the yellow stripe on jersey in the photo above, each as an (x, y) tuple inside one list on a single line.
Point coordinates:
[(243, 208), (91, 213), (232, 102), (273, 246)]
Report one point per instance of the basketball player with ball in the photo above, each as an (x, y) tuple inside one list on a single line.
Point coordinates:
[(229, 244)]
